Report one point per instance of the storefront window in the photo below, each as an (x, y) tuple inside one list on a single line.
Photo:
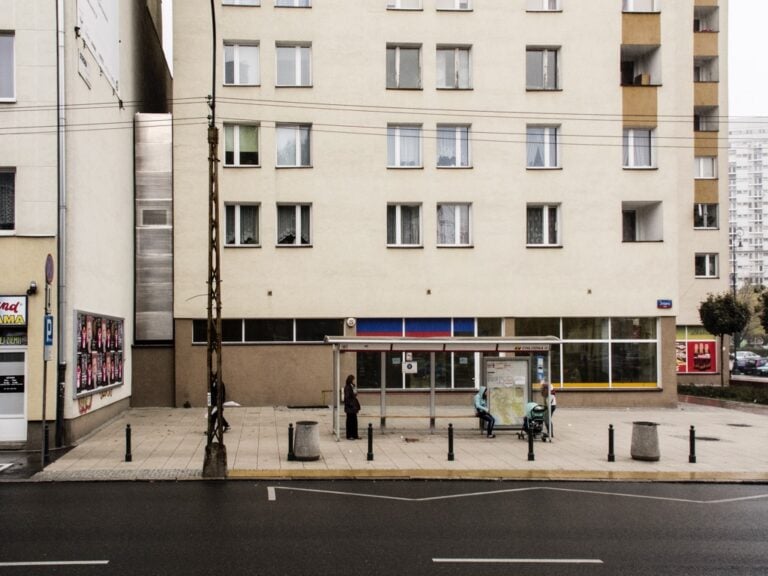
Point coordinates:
[(633, 363), (585, 328), (586, 363), (633, 328)]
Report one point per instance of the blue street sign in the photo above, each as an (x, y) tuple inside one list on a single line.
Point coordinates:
[(48, 331)]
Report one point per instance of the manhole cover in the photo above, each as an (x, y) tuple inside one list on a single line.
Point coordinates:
[(741, 425)]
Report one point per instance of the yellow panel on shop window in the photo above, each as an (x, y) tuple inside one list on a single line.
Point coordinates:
[(641, 385), (603, 385)]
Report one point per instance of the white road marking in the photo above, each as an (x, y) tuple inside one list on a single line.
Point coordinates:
[(5, 466), (271, 493), (512, 490), (517, 560), (56, 563)]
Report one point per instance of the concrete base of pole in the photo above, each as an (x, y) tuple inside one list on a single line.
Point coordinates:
[(215, 465)]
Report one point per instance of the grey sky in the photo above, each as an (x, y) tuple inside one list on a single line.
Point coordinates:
[(747, 43)]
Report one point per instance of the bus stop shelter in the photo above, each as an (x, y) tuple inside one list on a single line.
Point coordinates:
[(495, 346)]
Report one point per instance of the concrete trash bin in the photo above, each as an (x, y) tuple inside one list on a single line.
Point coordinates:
[(306, 441), (645, 441)]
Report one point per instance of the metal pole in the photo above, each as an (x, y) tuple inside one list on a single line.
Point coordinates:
[(450, 443), (370, 442), (692, 455), (611, 455), (128, 454), (291, 455), (531, 456)]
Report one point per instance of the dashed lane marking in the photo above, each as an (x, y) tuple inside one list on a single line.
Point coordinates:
[(517, 560), (55, 563)]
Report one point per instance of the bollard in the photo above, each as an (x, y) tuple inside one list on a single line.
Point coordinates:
[(531, 457), (128, 455), (692, 455), (291, 455), (450, 442), (370, 442), (611, 455)]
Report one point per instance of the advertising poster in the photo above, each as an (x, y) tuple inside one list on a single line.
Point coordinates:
[(99, 345), (508, 389), (701, 356)]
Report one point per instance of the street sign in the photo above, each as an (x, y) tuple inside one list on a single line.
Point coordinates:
[(49, 269), (48, 337)]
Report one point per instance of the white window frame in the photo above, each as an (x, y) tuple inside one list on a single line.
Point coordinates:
[(298, 224), (629, 150), (296, 129), (454, 212), (543, 6), (632, 6), (395, 143), (398, 65), (241, 2), (550, 78), (550, 132), (236, 144), (706, 167), (711, 265), (453, 5), (12, 172), (399, 225), (238, 221), (705, 209), (440, 74), (298, 70), (235, 80), (546, 241), (398, 5), (461, 133), (11, 96), (293, 3)]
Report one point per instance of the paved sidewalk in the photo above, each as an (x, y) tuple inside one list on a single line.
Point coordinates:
[(169, 444)]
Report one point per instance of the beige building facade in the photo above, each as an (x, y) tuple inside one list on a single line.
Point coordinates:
[(74, 74), (452, 168)]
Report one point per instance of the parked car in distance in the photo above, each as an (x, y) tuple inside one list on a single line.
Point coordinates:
[(748, 362)]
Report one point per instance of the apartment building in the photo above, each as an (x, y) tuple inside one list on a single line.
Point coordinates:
[(72, 77), (747, 168), (452, 168)]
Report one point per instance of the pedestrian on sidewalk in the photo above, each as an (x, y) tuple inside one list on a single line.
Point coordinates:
[(214, 406), (550, 403), (481, 409), (351, 407)]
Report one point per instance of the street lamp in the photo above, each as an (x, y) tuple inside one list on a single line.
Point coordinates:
[(736, 235)]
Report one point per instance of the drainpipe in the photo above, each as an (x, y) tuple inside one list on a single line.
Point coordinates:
[(61, 231)]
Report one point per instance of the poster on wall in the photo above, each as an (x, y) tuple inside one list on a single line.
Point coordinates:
[(508, 389), (701, 356), (99, 345), (695, 351)]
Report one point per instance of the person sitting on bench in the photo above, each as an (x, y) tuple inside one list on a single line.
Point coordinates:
[(481, 408)]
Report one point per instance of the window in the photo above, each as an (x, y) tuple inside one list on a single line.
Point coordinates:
[(454, 70), (293, 3), (404, 4), (642, 221), (705, 69), (706, 266), (706, 119), (293, 145), (641, 6), (294, 65), (543, 225), (542, 146), (403, 146), (453, 225), (7, 67), (543, 5), (639, 144), (705, 216), (706, 19), (241, 2), (242, 225), (541, 69), (404, 225), (640, 65), (293, 225), (7, 199), (706, 167), (241, 64), (452, 146), (454, 4), (403, 67), (241, 145)]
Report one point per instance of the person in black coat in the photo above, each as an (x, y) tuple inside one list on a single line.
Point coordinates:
[(351, 408)]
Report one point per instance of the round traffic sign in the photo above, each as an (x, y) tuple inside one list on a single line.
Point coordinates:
[(49, 269)]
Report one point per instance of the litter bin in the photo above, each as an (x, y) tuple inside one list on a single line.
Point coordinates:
[(306, 441), (645, 441)]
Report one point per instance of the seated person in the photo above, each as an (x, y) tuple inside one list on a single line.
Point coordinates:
[(481, 408)]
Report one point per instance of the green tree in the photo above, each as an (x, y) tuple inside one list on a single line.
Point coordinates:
[(721, 315)]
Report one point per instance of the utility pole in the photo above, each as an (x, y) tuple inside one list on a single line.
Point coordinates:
[(215, 464)]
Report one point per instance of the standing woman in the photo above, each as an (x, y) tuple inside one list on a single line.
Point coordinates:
[(351, 408)]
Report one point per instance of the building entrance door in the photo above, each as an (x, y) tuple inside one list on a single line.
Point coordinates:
[(13, 395)]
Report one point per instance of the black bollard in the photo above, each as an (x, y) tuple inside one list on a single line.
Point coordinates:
[(128, 455), (611, 455), (692, 455), (450, 442), (291, 455), (531, 457), (370, 442), (46, 449)]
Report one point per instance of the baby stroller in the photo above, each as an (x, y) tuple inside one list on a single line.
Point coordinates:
[(535, 424)]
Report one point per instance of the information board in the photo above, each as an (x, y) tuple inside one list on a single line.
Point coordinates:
[(507, 380)]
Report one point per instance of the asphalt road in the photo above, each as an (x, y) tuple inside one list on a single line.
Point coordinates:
[(382, 528)]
